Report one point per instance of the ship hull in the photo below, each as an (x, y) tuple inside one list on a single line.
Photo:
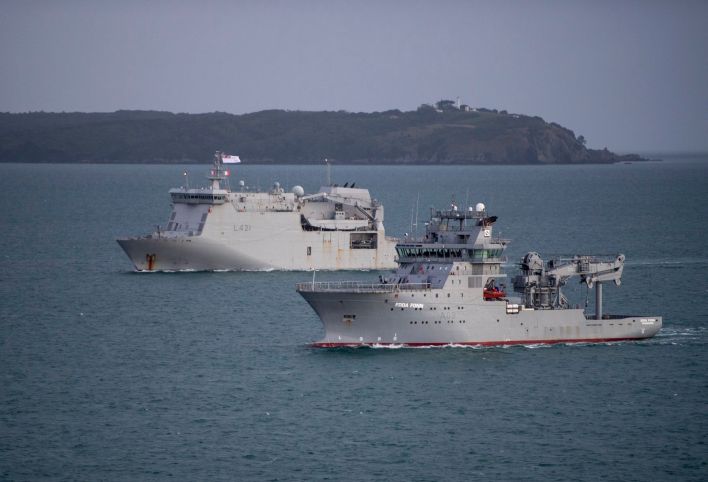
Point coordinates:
[(327, 251), (357, 319)]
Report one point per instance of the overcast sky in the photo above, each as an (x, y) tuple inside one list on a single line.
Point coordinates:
[(628, 75)]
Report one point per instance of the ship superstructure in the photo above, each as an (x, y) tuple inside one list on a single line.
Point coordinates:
[(449, 289), (214, 228)]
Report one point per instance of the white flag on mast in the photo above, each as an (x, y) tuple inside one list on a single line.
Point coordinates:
[(226, 159)]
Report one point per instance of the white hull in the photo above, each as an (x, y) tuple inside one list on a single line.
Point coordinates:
[(411, 319), (329, 251)]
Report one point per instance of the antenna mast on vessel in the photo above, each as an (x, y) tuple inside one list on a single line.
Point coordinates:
[(218, 173), (415, 225), (328, 173)]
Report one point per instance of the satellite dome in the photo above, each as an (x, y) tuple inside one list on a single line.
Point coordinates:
[(298, 191), (480, 207), (241, 183)]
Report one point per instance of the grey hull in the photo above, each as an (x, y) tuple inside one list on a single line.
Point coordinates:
[(203, 254), (181, 254), (352, 319)]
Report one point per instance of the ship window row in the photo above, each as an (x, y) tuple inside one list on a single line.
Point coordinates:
[(208, 197), (435, 322), (423, 252), (432, 308)]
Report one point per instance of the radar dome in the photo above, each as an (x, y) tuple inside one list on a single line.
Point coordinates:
[(480, 207), (298, 191), (241, 183)]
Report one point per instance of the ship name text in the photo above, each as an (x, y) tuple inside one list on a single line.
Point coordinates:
[(400, 304)]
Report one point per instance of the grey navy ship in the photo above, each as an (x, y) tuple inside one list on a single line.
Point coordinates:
[(214, 228), (449, 289)]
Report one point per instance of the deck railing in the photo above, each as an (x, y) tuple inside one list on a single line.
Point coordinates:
[(359, 287)]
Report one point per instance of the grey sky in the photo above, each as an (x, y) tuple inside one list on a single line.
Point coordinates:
[(629, 75)]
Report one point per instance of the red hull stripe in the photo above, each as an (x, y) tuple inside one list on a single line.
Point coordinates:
[(476, 343)]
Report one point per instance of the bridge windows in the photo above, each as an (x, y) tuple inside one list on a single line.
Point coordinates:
[(197, 198), (428, 252)]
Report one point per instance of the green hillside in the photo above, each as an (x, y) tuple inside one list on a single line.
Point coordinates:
[(442, 134)]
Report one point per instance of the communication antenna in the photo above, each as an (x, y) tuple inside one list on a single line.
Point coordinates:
[(328, 172), (417, 202), (467, 203)]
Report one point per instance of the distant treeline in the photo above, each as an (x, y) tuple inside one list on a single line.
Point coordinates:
[(441, 134)]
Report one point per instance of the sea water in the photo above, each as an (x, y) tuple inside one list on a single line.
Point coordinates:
[(107, 374)]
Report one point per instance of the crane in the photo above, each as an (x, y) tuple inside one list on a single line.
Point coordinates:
[(540, 283)]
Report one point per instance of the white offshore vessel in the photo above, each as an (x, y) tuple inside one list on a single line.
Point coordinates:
[(214, 228), (449, 290)]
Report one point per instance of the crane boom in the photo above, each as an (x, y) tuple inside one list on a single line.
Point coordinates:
[(590, 269)]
